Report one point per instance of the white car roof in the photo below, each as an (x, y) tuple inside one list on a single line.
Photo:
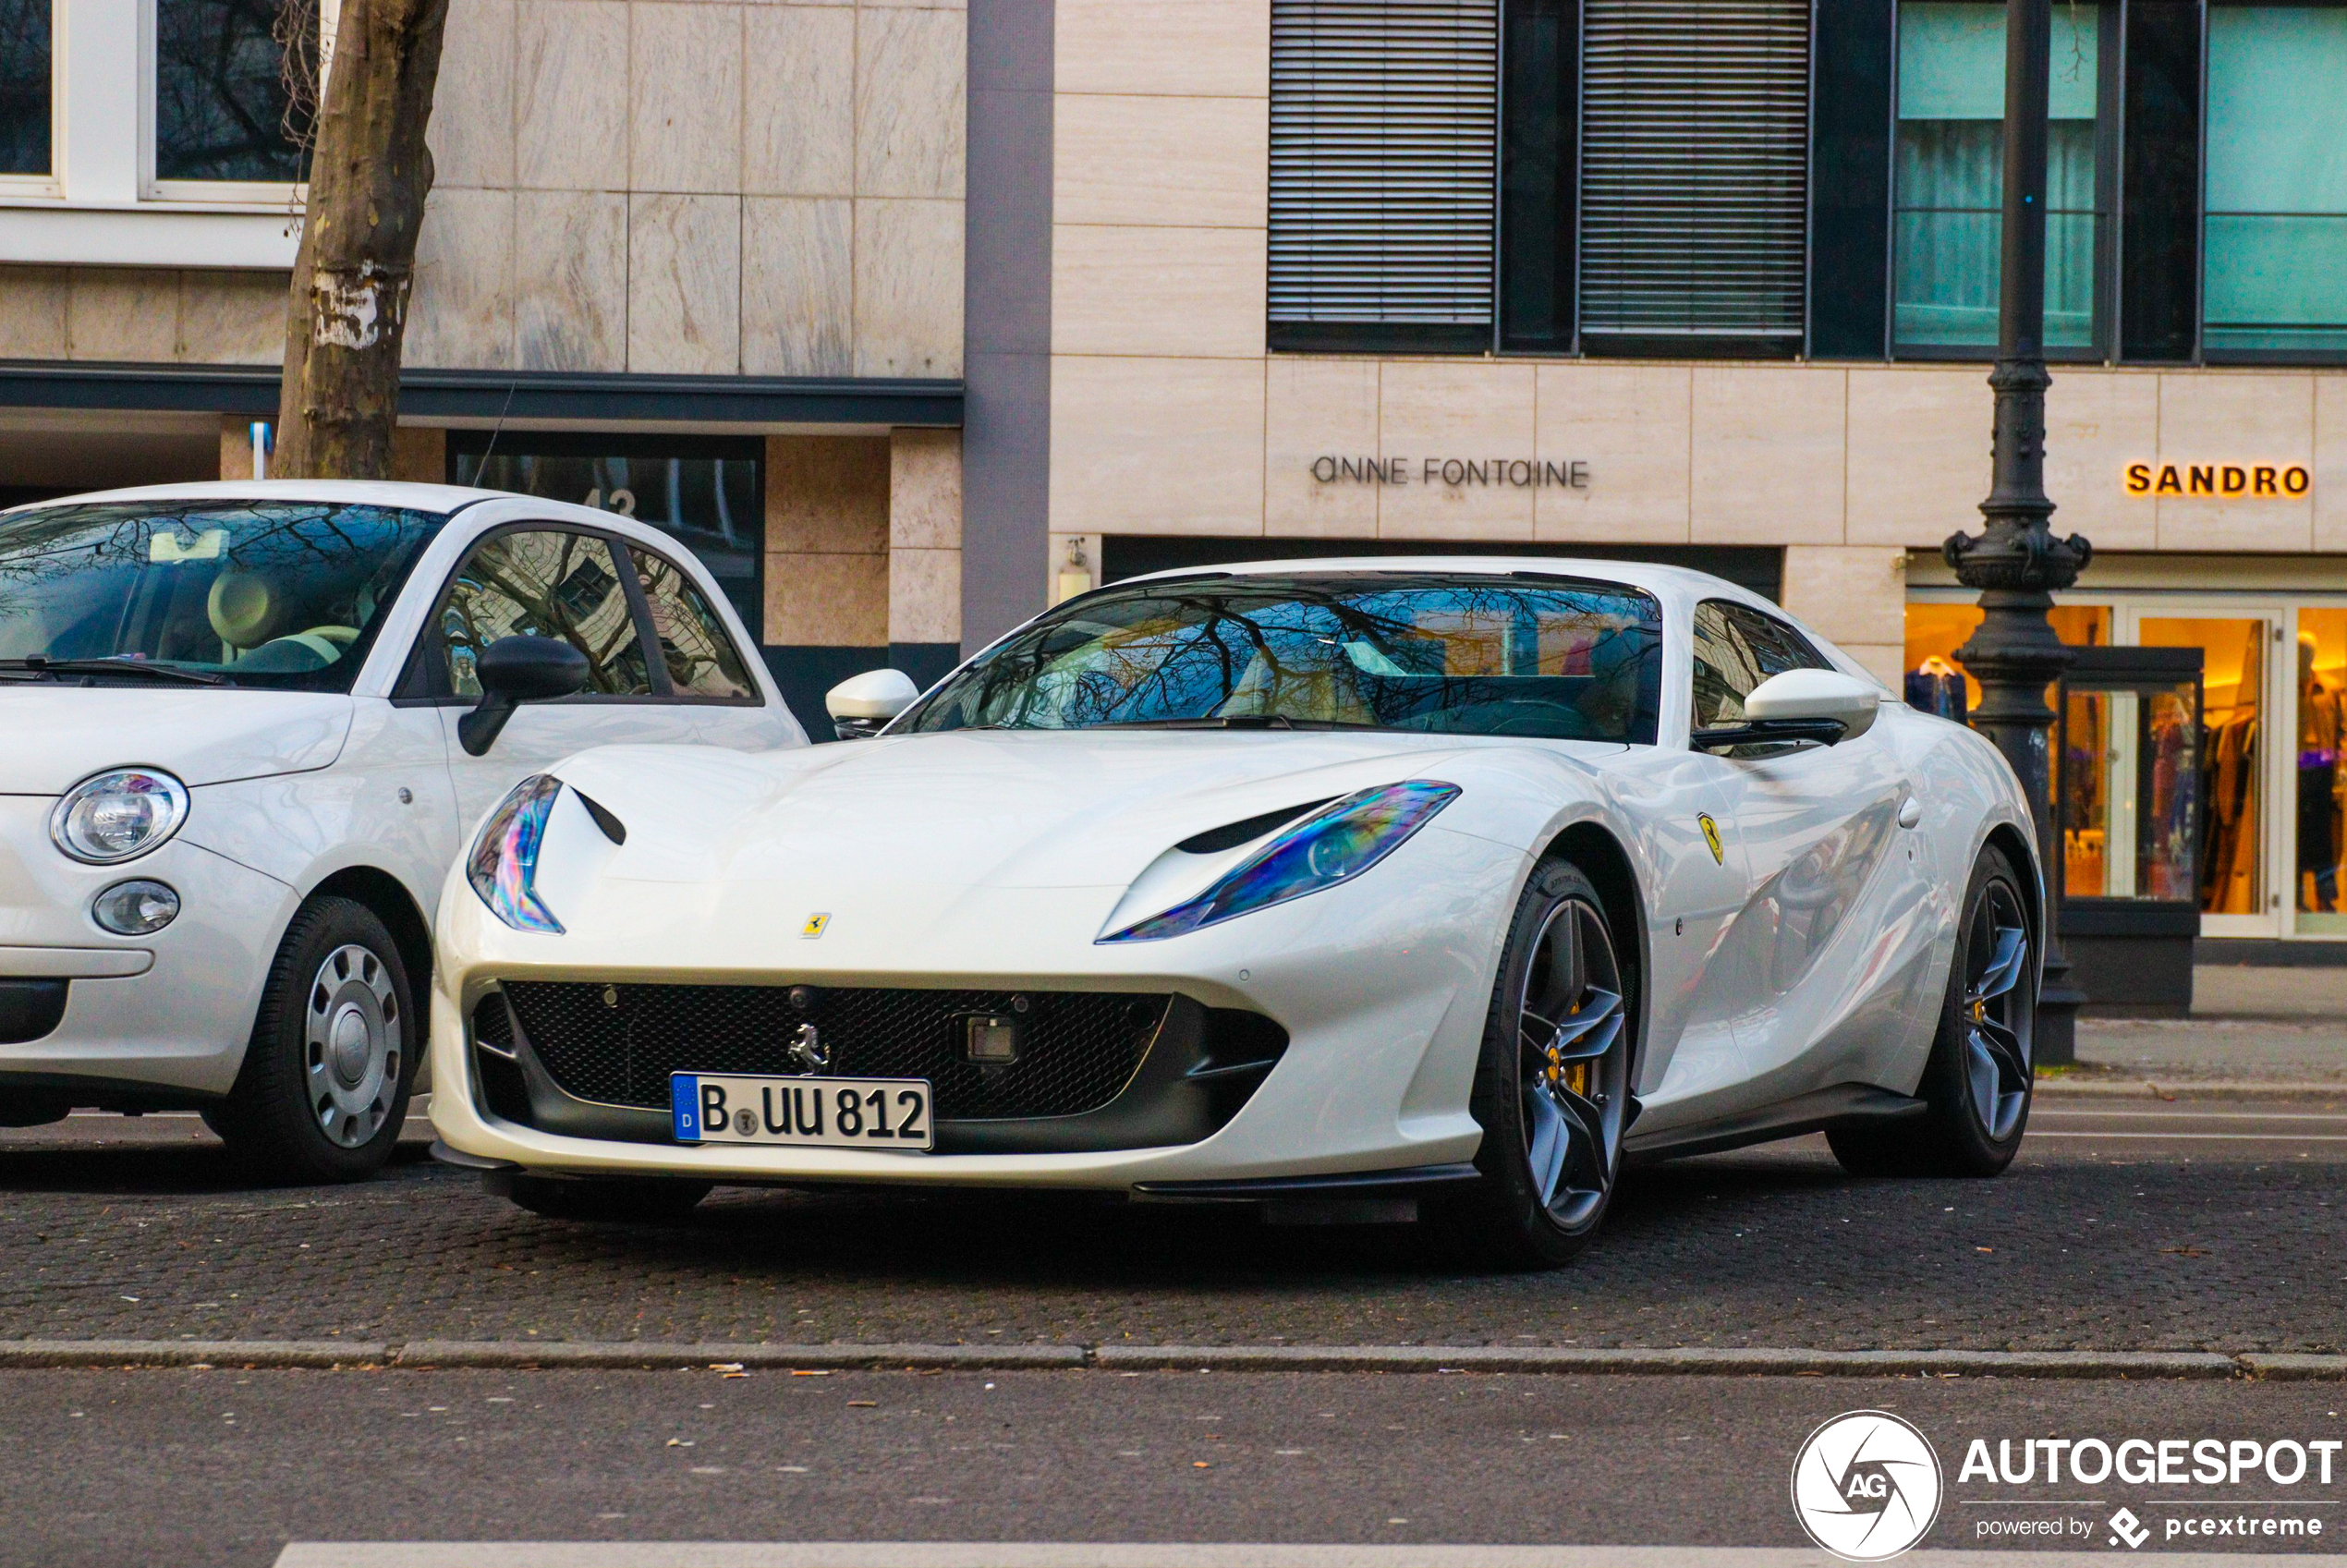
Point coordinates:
[(438, 498), (1662, 580)]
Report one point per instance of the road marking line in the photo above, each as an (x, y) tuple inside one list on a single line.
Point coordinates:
[(2193, 1115), (2198, 1137)]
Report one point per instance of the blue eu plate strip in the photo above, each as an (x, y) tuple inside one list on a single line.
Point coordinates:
[(684, 1099)]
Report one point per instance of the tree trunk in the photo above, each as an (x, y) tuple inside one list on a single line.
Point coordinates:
[(346, 309)]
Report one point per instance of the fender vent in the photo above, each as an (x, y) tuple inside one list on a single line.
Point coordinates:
[(1231, 835)]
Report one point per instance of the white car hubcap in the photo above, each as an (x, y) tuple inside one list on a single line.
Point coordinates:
[(352, 1029)]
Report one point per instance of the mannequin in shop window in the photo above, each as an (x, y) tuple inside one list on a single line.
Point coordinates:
[(1937, 686), (2318, 785)]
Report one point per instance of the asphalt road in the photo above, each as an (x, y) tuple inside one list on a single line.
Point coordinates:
[(190, 1468), (2127, 1224)]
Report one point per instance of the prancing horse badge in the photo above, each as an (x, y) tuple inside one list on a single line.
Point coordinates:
[(815, 923), (1711, 836)]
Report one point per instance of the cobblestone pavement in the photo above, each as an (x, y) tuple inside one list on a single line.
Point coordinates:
[(2091, 1242)]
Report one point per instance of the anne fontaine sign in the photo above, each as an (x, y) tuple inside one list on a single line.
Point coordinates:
[(1453, 473)]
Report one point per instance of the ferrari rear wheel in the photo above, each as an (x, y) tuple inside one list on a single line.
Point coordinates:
[(1978, 1081), (1552, 1089)]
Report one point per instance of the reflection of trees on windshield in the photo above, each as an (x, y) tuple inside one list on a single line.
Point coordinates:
[(545, 584), (274, 593), (1447, 654)]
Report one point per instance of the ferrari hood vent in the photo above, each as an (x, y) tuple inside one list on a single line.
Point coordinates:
[(1231, 834)]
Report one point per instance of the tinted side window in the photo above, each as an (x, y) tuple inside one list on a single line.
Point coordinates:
[(544, 583), (702, 659), (1736, 647)]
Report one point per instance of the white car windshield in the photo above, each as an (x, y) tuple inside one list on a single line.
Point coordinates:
[(262, 594), (1459, 654)]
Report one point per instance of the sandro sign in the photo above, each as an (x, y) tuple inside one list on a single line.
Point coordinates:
[(2226, 482)]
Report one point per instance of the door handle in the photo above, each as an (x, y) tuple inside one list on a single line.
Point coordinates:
[(1910, 812)]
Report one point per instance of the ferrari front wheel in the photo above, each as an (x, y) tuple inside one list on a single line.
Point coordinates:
[(1552, 1087)]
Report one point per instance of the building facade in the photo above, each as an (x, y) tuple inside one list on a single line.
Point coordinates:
[(915, 318)]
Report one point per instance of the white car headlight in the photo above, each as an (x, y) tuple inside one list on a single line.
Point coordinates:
[(118, 815), (1333, 844), (503, 864)]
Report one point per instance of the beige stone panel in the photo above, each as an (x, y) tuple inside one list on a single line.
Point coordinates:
[(1886, 661), (1918, 453), (570, 280), (32, 312), (1767, 454), (2331, 463), (123, 314), (925, 490), (236, 447), (1197, 291), (462, 311), (1315, 409), (798, 136), (684, 285), (1629, 424), (1157, 445), (910, 4), (2097, 423), (471, 131), (1181, 48), (1189, 163), (798, 286), (2220, 417), (420, 455), (827, 601), (910, 70), (232, 317), (1474, 411), (908, 289), (925, 596), (685, 97), (1852, 594), (570, 98), (827, 494)]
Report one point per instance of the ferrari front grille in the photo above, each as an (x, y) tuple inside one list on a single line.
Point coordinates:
[(617, 1044)]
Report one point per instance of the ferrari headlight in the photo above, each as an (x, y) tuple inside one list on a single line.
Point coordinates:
[(1333, 844), (502, 865), (118, 816)]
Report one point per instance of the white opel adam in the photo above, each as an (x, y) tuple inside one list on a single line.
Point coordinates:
[(245, 728), (1440, 881)]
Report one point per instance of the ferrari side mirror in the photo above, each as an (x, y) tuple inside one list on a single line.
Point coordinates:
[(514, 670), (1816, 694), (862, 705)]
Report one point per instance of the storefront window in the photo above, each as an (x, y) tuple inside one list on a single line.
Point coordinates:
[(220, 104), (24, 87), (2230, 878), (708, 492), (2322, 810), (2277, 220), (2131, 771), (1936, 631), (1948, 210)]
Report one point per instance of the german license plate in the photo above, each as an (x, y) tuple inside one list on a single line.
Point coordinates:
[(889, 1114)]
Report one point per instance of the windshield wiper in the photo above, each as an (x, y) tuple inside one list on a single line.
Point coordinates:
[(116, 665)]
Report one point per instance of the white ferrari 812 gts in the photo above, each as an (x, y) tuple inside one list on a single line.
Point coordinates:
[(1433, 885)]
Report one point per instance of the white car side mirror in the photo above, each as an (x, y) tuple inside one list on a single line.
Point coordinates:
[(1815, 695), (862, 704)]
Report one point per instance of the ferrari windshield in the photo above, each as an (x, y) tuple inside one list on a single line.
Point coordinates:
[(267, 594), (1442, 654)]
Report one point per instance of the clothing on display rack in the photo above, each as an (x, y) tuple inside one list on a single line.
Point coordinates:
[(2229, 838)]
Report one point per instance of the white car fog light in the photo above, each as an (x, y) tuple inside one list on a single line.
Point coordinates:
[(135, 909), (118, 816), (990, 1040)]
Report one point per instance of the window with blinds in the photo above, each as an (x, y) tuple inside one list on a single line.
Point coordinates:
[(1695, 123), (1384, 134)]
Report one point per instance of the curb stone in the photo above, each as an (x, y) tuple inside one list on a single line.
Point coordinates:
[(1561, 1360)]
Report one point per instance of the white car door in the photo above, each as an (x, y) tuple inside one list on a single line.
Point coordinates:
[(560, 581), (1828, 880)]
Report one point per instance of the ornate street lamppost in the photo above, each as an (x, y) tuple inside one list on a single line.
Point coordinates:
[(2015, 562)]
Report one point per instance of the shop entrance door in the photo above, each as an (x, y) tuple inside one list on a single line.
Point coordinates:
[(2247, 802)]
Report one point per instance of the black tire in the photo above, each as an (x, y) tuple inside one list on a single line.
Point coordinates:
[(1978, 1081), (1553, 1094), (604, 1199), (324, 1089)]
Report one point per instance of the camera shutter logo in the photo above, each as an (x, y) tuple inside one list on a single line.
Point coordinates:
[(1867, 1486)]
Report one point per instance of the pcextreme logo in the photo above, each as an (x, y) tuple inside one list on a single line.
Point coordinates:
[(1865, 1486)]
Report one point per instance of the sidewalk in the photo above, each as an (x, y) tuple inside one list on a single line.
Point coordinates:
[(2266, 1028)]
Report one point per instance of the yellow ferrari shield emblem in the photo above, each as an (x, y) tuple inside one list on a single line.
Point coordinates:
[(1711, 836), (814, 926)]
